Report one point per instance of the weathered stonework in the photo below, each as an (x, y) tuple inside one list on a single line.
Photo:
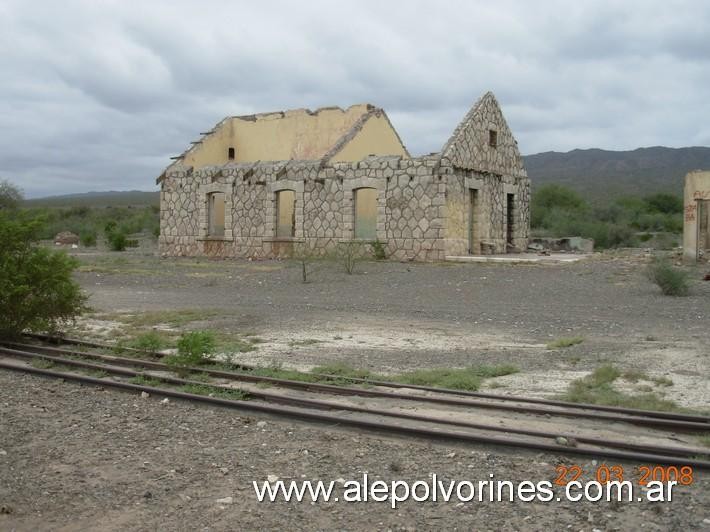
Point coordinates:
[(425, 210)]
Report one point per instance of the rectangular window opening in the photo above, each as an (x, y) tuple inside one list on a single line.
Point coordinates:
[(492, 138), (230, 154), (216, 214), (365, 213), (286, 214)]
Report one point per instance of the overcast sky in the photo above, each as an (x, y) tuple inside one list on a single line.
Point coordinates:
[(98, 95)]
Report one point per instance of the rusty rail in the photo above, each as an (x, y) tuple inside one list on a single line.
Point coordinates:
[(310, 415), (442, 391), (666, 422)]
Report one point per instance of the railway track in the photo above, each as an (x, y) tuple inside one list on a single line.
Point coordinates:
[(389, 420), (394, 385)]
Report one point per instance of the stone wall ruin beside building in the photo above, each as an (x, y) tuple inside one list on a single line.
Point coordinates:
[(696, 216)]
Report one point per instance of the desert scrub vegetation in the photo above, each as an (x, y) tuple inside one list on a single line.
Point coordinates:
[(469, 379), (145, 380), (559, 211), (597, 388), (378, 250), (90, 222), (635, 375), (671, 280), (149, 341), (37, 291), (235, 394), (171, 318), (562, 343), (193, 349)]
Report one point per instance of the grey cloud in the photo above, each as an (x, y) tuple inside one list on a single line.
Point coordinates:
[(99, 95)]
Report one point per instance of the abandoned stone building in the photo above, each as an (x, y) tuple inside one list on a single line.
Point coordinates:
[(696, 222), (259, 185)]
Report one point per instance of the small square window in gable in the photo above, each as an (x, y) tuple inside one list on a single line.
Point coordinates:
[(492, 138)]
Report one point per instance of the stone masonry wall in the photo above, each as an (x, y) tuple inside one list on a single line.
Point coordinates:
[(490, 213), (423, 210), (410, 210)]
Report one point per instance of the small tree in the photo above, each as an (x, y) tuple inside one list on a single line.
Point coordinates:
[(349, 253), (10, 195), (37, 291), (307, 258)]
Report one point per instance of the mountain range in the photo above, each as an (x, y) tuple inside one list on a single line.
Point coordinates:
[(601, 174), (594, 173)]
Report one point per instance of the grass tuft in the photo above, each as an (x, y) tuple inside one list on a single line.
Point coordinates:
[(671, 280), (565, 342), (597, 388), (469, 379), (41, 363), (234, 394), (144, 380)]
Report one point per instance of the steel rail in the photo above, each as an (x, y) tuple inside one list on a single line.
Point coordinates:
[(444, 391), (280, 399), (342, 390), (429, 433)]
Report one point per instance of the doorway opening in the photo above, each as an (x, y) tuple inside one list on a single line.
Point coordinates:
[(474, 246), (510, 219)]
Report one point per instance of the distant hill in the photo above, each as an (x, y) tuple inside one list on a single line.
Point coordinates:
[(601, 173), (111, 198), (597, 174)]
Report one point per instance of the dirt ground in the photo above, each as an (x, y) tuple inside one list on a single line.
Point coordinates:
[(80, 458), (393, 317)]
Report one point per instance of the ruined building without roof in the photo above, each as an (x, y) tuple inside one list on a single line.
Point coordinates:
[(258, 185)]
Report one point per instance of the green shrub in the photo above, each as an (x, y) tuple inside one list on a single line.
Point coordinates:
[(194, 348), (671, 280), (37, 291), (150, 341), (378, 250), (117, 241), (110, 227), (88, 239)]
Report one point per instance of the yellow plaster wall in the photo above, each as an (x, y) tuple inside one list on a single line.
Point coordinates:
[(298, 135), (375, 138)]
